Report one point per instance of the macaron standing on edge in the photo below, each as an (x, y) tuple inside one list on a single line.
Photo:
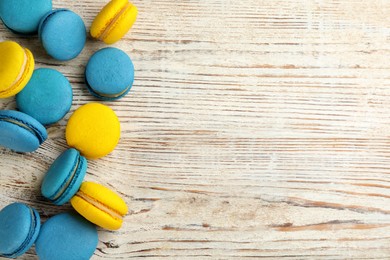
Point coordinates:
[(23, 16), (109, 74), (19, 228), (63, 34), (100, 205), (20, 132), (16, 68), (114, 21), (64, 177), (47, 90)]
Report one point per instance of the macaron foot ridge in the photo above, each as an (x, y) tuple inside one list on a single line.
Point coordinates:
[(26, 126)]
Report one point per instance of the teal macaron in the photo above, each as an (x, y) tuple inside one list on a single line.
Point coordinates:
[(64, 177), (23, 16), (47, 90), (66, 236), (63, 34), (20, 132), (109, 74), (19, 228)]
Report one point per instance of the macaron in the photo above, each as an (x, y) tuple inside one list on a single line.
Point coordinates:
[(23, 16), (47, 90), (100, 205), (94, 130), (114, 21), (20, 132), (66, 236), (109, 74), (16, 68), (19, 228), (63, 34), (64, 177)]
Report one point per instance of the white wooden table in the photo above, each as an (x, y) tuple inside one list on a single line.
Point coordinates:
[(255, 128)]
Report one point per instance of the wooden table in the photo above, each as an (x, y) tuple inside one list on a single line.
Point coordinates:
[(255, 129)]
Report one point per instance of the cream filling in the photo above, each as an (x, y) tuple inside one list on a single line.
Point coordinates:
[(103, 35), (99, 205), (113, 95), (13, 121), (22, 70), (69, 180)]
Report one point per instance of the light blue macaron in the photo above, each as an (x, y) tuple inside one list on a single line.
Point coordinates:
[(64, 177), (47, 97), (20, 132), (109, 74), (19, 228), (63, 34), (23, 16), (66, 236)]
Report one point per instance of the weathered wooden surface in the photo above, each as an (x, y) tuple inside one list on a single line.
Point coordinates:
[(255, 128)]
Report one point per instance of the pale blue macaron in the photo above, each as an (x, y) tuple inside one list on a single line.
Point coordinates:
[(19, 228), (63, 34), (23, 16), (47, 97), (20, 132), (66, 236), (109, 74), (64, 177)]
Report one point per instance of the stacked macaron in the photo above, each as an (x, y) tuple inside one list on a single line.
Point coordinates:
[(43, 97)]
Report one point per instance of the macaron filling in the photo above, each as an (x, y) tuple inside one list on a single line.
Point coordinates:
[(59, 195), (103, 34), (28, 127), (97, 204), (109, 96), (29, 239), (23, 70)]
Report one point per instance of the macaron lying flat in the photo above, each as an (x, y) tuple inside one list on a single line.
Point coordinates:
[(47, 90), (16, 68), (23, 16), (64, 177), (19, 228), (109, 74), (94, 130), (20, 132), (100, 205), (66, 236), (63, 34), (114, 21)]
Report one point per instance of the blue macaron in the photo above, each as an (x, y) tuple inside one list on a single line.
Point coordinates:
[(47, 90), (109, 74), (63, 34), (23, 16), (66, 236), (19, 228), (64, 177), (20, 132)]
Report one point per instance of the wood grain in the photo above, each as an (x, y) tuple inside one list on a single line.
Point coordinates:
[(255, 129)]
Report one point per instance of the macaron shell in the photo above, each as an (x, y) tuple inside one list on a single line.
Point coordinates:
[(16, 68), (64, 177), (23, 16), (63, 34), (118, 28), (94, 130), (66, 236), (105, 197), (109, 74), (47, 90), (19, 228)]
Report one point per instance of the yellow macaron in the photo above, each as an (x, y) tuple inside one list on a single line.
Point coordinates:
[(16, 68), (94, 130), (100, 205), (114, 21)]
